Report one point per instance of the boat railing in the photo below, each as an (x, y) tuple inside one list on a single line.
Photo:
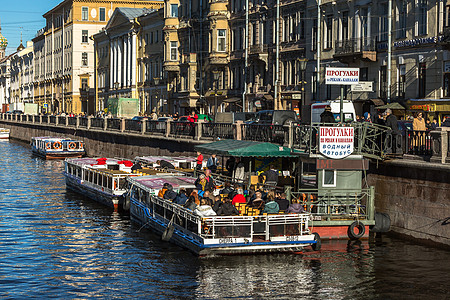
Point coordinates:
[(328, 204)]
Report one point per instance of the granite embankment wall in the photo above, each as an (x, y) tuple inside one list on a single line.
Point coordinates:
[(415, 194), (111, 144)]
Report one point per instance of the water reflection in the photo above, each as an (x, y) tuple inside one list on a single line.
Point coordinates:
[(55, 243)]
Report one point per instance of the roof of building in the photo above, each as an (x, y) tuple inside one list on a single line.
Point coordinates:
[(131, 13)]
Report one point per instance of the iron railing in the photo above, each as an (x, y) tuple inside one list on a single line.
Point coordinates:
[(418, 142), (133, 125), (97, 123), (72, 121), (218, 130), (183, 129), (153, 126), (355, 45), (265, 133), (83, 122), (113, 123)]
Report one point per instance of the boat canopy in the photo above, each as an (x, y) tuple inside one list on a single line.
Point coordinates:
[(244, 149)]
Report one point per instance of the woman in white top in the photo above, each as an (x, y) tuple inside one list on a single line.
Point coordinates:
[(204, 210)]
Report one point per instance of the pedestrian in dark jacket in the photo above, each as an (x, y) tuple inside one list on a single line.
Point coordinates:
[(283, 203), (327, 116), (391, 121), (190, 204), (181, 198), (165, 164), (295, 208), (227, 209)]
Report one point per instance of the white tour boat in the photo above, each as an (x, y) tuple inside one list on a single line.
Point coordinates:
[(101, 179), (4, 133), (216, 235), (57, 148)]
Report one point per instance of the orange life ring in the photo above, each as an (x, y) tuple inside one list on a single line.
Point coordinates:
[(48, 145), (57, 145), (114, 184), (72, 145), (81, 145)]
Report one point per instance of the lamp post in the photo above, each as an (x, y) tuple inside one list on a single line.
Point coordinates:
[(156, 81), (302, 62), (216, 75)]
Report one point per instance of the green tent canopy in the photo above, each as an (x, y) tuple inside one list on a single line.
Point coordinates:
[(244, 149), (393, 105)]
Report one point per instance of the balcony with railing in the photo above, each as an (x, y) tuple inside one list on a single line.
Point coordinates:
[(364, 48)]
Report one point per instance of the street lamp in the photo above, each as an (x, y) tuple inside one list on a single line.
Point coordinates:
[(216, 75), (302, 62)]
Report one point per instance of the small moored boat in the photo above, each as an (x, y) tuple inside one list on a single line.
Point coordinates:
[(57, 148), (4, 133), (102, 179), (216, 235)]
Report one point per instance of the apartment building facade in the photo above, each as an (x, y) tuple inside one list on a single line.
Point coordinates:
[(64, 53), (22, 63)]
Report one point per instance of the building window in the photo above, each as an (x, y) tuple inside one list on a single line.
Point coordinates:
[(151, 37), (173, 51), (401, 81), (383, 82), (402, 10), (423, 9), (422, 79), (384, 22), (329, 178), (329, 32), (84, 59), (84, 13), (84, 36), (84, 84), (447, 79), (364, 74), (314, 36), (221, 40), (102, 16), (174, 10)]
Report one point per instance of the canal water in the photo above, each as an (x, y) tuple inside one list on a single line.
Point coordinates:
[(55, 243)]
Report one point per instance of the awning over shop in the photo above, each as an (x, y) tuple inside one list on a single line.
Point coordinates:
[(244, 149), (376, 102), (232, 100), (394, 105)]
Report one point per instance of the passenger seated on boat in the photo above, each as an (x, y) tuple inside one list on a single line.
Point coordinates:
[(170, 194), (200, 183), (136, 166), (239, 198), (194, 194), (164, 164), (208, 197), (283, 203), (204, 210), (227, 208), (258, 202), (163, 190), (295, 207), (190, 203), (218, 201), (227, 189), (271, 206), (181, 198)]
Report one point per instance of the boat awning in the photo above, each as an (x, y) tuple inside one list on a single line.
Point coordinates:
[(232, 100), (244, 149)]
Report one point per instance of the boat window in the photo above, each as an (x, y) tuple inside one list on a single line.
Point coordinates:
[(122, 183), (110, 180), (329, 178)]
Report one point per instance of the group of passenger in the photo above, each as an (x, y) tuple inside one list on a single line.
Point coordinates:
[(207, 200)]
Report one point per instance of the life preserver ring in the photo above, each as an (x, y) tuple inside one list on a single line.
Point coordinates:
[(81, 145), (48, 145), (318, 244), (57, 145), (72, 145), (114, 184), (360, 230)]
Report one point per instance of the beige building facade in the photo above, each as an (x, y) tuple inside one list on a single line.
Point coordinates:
[(64, 64)]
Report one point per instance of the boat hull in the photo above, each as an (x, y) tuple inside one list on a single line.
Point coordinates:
[(141, 215), (105, 198), (336, 232), (57, 154)]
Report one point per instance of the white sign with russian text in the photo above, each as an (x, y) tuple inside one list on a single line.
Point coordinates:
[(342, 76), (336, 142)]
